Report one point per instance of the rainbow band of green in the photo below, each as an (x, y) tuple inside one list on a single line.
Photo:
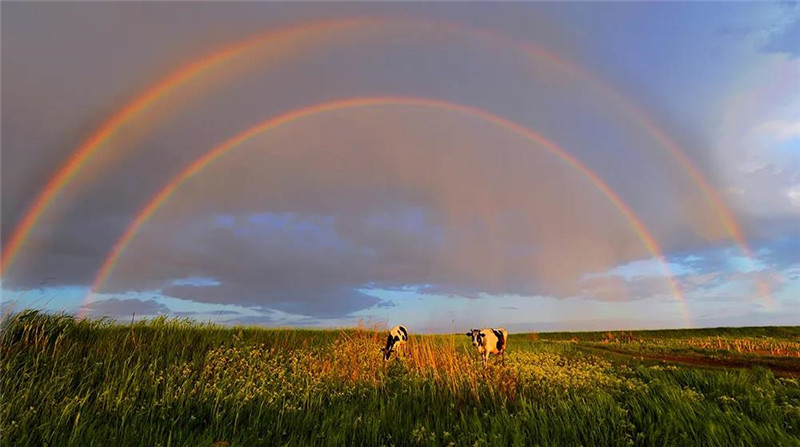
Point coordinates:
[(215, 153)]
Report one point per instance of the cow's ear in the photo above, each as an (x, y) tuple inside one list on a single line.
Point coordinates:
[(469, 334)]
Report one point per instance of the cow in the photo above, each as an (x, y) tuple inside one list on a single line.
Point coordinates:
[(398, 336), (489, 341)]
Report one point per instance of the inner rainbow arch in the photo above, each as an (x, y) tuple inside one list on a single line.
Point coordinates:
[(650, 244)]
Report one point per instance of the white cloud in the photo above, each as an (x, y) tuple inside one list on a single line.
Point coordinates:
[(778, 130), (794, 196), (648, 268), (760, 122)]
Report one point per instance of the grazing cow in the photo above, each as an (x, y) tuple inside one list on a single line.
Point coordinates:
[(489, 341), (398, 336)]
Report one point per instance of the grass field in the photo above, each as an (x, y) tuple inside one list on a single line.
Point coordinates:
[(175, 383)]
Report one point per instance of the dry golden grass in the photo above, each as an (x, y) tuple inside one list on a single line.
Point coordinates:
[(760, 346)]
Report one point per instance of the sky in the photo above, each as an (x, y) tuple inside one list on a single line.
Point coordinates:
[(538, 166)]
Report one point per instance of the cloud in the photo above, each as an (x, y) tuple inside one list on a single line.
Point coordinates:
[(303, 230), (787, 33), (120, 308), (777, 130), (301, 222), (617, 288), (756, 142), (753, 318), (794, 195), (8, 306), (214, 312)]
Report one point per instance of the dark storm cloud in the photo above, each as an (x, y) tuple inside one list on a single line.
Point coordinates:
[(48, 121), (457, 230), (303, 218)]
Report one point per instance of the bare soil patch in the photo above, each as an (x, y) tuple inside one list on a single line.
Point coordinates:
[(790, 368)]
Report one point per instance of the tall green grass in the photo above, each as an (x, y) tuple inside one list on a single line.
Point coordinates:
[(175, 383)]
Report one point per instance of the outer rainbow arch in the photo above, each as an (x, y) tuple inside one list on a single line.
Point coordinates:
[(196, 68), (215, 153)]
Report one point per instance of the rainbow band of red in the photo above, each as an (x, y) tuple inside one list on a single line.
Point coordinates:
[(201, 163)]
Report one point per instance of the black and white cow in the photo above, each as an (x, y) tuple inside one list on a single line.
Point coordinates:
[(489, 341), (398, 336)]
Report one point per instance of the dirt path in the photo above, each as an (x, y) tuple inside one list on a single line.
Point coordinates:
[(791, 370)]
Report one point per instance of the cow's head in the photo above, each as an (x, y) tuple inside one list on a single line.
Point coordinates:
[(387, 352), (477, 337)]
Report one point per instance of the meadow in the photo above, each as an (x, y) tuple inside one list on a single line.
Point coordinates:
[(177, 383)]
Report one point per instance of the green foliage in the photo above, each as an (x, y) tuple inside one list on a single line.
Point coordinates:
[(173, 382)]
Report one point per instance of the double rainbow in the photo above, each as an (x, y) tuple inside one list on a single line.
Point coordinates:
[(319, 32)]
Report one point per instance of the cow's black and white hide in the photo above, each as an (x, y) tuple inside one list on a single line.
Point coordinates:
[(489, 341), (397, 338)]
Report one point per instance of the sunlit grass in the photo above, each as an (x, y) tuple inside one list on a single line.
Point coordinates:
[(174, 382)]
